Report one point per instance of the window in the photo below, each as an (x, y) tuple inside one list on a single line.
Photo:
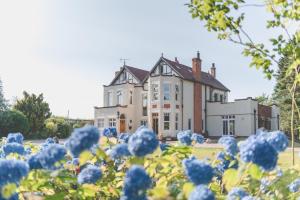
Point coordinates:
[(176, 121), (109, 99), (167, 91), (130, 78), (130, 98), (119, 98), (165, 70), (100, 123), (166, 121), (155, 92), (221, 98), (144, 104), (176, 92), (144, 123), (228, 124), (210, 94), (190, 124), (112, 122), (216, 97)]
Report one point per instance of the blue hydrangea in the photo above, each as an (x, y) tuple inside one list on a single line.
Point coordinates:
[(75, 161), (185, 137), (142, 142), (198, 171), (82, 139), (110, 132), (201, 192), (236, 194), (136, 183), (295, 186), (119, 151), (48, 157), (50, 141), (15, 137), (230, 144), (249, 198), (13, 148), (91, 174), (278, 140), (12, 171), (198, 138), (163, 146), (264, 184), (124, 137), (15, 196), (224, 161), (258, 151)]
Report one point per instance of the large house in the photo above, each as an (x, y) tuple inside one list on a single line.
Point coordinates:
[(172, 97)]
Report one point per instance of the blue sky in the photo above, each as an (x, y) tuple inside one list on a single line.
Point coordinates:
[(68, 49)]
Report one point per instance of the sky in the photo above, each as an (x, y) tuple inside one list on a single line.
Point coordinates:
[(69, 49)]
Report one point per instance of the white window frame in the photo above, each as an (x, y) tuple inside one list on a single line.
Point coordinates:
[(112, 122), (100, 122), (176, 121), (155, 91), (167, 93), (167, 122), (228, 124), (109, 98), (119, 97), (165, 69)]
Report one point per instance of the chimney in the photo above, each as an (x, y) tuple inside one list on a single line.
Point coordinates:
[(176, 60), (213, 70), (117, 72), (196, 63)]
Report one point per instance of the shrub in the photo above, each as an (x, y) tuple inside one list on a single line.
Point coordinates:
[(13, 121)]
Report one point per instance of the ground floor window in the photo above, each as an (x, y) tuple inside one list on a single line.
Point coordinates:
[(166, 121), (228, 124), (100, 123), (144, 123), (190, 124), (112, 122), (176, 121)]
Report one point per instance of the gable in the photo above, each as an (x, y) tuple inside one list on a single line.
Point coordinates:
[(163, 68), (124, 76)]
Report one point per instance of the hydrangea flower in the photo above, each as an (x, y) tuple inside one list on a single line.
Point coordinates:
[(15, 196), (136, 183), (13, 148), (12, 171), (118, 151), (15, 137), (90, 174), (236, 194), (230, 144), (185, 137), (50, 141), (124, 137), (198, 138), (278, 140), (294, 186), (201, 192), (224, 160), (163, 146), (48, 157), (264, 184), (142, 142), (260, 152), (110, 132), (198, 171), (82, 139)]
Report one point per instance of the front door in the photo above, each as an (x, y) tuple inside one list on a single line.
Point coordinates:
[(155, 122), (122, 124)]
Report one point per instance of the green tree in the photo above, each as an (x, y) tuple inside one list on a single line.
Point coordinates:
[(226, 18), (3, 102), (264, 99), (35, 109), (58, 126), (12, 121)]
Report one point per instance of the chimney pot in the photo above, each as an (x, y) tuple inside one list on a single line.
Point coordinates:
[(198, 54), (176, 60), (213, 70)]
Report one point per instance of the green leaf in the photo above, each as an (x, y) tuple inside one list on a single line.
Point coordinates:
[(230, 178), (84, 157), (187, 189), (255, 172)]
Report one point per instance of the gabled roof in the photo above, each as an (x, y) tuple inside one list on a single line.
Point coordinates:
[(187, 74)]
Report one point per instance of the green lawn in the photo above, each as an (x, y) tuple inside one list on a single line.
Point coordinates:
[(285, 158)]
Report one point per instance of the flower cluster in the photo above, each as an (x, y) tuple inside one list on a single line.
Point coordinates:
[(278, 140), (163, 146), (12, 171), (230, 144), (142, 142), (197, 171), (124, 137), (15, 137), (237, 193), (13, 148), (82, 139), (136, 183), (198, 138), (90, 174), (201, 192), (185, 137), (225, 161), (295, 186), (110, 132), (118, 151)]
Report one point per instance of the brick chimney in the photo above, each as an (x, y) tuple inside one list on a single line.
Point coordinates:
[(213, 70), (196, 63)]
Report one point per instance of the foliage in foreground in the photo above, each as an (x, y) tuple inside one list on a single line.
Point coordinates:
[(136, 167)]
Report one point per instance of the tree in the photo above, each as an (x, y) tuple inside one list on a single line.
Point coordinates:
[(3, 102), (35, 109), (58, 126), (226, 17), (264, 99), (12, 121)]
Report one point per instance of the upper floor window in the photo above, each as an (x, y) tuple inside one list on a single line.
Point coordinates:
[(165, 70), (215, 97), (145, 102), (119, 98), (176, 121), (167, 91), (176, 92), (130, 98), (155, 92), (109, 99)]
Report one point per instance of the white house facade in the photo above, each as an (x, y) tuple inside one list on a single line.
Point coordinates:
[(172, 97)]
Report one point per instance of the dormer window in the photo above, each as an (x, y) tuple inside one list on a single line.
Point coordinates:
[(165, 70)]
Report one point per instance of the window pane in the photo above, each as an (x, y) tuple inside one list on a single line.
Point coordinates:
[(166, 87)]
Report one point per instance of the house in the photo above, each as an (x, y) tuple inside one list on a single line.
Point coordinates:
[(172, 97)]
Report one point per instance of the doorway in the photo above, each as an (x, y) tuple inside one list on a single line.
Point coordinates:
[(122, 123), (155, 122)]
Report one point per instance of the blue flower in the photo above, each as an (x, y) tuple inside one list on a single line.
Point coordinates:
[(124, 137), (15, 196), (295, 186), (75, 161), (12, 171), (110, 132), (278, 140), (224, 160), (230, 144), (198, 138), (249, 198), (236, 194), (185, 137), (13, 148), (82, 139), (15, 137), (142, 142), (90, 174), (50, 141), (201, 192), (198, 171), (264, 184), (258, 151), (136, 183), (118, 151), (48, 157), (163, 146)]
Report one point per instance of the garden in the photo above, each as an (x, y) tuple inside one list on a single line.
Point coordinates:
[(107, 165)]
